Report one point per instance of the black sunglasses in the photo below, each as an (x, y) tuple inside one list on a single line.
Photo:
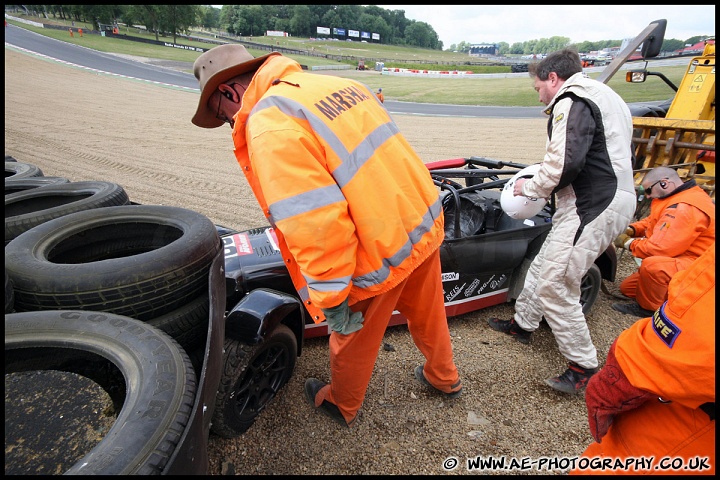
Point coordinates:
[(229, 96), (662, 183)]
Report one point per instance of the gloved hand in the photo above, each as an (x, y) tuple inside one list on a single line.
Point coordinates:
[(630, 232), (622, 239), (342, 320), (609, 393)]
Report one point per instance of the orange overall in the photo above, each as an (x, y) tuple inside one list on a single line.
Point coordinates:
[(671, 355), (357, 214), (678, 230)]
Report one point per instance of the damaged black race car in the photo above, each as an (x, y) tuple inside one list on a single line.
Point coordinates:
[(485, 257)]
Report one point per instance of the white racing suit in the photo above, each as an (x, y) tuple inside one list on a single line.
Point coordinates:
[(588, 165)]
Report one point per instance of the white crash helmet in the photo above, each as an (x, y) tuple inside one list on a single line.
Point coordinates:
[(520, 207)]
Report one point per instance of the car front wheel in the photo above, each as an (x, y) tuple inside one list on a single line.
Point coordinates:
[(589, 288), (252, 375)]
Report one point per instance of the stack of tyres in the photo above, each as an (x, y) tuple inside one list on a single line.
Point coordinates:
[(109, 291)]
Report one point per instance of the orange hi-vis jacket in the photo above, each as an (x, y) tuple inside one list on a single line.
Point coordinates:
[(354, 207), (671, 355), (679, 225)]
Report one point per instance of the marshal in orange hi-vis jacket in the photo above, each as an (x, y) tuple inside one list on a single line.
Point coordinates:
[(651, 409)]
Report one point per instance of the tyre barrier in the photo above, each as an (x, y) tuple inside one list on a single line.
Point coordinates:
[(141, 261), (122, 355), (27, 183), (9, 294), (29, 208), (187, 324), (15, 169)]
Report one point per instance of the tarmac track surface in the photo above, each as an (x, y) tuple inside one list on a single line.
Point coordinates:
[(112, 64)]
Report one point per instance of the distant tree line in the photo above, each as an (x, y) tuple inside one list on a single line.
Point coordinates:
[(168, 20), (302, 21), (547, 45), (254, 20)]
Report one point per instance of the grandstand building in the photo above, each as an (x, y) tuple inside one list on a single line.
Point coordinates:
[(483, 49)]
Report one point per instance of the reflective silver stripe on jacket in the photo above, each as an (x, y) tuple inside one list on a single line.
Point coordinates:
[(351, 162)]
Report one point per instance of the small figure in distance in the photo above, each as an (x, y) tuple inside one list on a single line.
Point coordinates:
[(380, 95)]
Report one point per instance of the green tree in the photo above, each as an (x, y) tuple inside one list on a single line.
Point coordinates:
[(176, 19), (462, 47), (256, 19), (421, 34), (586, 47), (529, 47), (671, 45), (150, 16), (693, 40), (91, 14), (517, 48), (227, 18), (349, 15), (375, 24), (248, 20), (302, 23), (398, 23), (209, 17)]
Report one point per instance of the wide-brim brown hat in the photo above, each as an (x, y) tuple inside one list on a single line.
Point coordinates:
[(216, 66)]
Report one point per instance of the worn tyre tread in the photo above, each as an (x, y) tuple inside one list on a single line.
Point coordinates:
[(15, 169), (29, 208), (142, 261), (188, 324), (22, 184), (9, 294)]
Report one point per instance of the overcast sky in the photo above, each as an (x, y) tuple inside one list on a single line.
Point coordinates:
[(520, 23)]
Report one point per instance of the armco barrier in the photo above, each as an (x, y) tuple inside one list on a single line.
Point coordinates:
[(446, 73), (331, 67)]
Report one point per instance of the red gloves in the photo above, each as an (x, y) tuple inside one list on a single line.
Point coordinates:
[(608, 393)]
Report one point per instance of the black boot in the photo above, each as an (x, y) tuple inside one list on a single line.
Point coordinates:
[(511, 328), (573, 380)]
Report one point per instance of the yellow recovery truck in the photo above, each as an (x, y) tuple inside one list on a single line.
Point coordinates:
[(683, 136)]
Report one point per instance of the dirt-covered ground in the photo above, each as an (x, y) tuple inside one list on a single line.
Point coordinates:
[(87, 126)]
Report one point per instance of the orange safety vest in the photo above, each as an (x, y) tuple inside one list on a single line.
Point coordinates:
[(354, 207)]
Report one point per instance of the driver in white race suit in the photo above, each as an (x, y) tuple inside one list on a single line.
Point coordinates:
[(588, 165)]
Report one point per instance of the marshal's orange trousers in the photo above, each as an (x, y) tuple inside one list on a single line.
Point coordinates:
[(669, 433), (649, 285), (419, 298)]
